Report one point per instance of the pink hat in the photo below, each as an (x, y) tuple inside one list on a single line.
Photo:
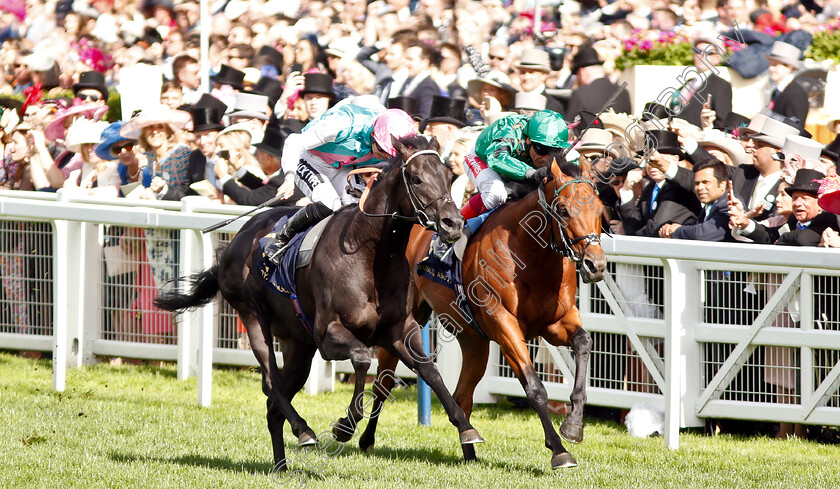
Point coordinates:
[(55, 130), (392, 122), (828, 196)]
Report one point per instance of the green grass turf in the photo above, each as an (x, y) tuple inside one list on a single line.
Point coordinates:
[(127, 427)]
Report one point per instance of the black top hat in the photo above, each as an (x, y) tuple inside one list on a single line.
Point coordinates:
[(654, 110), (804, 181), (274, 55), (94, 80), (832, 150), (319, 83), (269, 87), (406, 104), (207, 119), (585, 56), (449, 110), (622, 166), (228, 75), (209, 101), (665, 142), (273, 140), (584, 118), (735, 120)]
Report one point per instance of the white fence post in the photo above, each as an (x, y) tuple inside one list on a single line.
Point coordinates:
[(321, 376), (89, 320), (67, 250), (207, 327)]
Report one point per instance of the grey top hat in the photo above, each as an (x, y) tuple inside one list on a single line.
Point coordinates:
[(251, 105), (534, 59), (802, 146), (529, 101), (786, 53), (712, 38), (773, 132)]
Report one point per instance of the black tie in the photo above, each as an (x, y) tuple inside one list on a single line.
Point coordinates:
[(405, 86)]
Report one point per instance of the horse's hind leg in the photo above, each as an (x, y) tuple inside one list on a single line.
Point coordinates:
[(382, 386), (297, 362), (279, 408), (340, 343)]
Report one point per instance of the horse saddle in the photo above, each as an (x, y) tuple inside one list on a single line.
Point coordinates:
[(309, 241)]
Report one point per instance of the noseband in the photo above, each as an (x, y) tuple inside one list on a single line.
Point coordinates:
[(417, 205), (567, 250)]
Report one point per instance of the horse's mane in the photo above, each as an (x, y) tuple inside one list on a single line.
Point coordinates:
[(415, 141), (568, 168)]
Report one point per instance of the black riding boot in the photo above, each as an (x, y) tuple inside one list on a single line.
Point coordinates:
[(300, 220)]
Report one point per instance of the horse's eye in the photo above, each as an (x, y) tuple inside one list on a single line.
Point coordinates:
[(562, 211), (416, 180)]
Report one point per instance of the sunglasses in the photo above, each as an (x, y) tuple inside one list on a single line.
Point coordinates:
[(542, 149), (124, 147), (93, 97)]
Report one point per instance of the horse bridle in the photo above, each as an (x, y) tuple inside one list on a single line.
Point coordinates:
[(549, 210), (417, 206)]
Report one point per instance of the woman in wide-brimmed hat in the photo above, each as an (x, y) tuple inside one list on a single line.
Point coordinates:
[(155, 130), (828, 196), (64, 118), (90, 173)]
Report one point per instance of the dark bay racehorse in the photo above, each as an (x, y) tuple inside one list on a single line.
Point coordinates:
[(519, 274), (356, 288)]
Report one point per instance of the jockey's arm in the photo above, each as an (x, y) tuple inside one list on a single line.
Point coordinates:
[(296, 144), (501, 160)]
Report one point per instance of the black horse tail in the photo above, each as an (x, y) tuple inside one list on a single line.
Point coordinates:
[(205, 286)]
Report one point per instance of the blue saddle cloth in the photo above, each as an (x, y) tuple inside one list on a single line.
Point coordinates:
[(282, 277), (449, 272)]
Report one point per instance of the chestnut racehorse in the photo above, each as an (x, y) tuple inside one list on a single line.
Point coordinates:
[(521, 284)]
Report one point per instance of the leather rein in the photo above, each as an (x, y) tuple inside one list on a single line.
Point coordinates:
[(550, 213), (417, 205)]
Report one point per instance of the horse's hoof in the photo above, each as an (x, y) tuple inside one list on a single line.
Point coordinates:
[(563, 461), (306, 439), (341, 432), (471, 436), (571, 432), (366, 446)]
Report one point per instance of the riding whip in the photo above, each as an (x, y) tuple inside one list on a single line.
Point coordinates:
[(222, 224), (603, 109)]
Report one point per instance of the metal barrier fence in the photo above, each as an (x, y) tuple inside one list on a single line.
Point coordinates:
[(698, 329)]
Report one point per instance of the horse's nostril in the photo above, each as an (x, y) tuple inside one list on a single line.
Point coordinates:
[(448, 223)]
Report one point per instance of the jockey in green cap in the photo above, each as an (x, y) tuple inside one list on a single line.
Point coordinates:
[(516, 147)]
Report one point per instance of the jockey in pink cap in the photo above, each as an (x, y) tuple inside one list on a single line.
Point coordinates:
[(320, 158)]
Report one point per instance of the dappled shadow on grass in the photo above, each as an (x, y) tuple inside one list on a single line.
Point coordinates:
[(217, 463)]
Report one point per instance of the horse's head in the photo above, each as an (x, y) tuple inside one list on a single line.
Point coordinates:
[(576, 210), (425, 193)]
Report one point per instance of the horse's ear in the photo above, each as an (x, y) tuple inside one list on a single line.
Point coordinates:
[(402, 150), (434, 144), (556, 158)]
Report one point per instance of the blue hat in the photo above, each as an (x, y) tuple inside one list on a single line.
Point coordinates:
[(110, 136)]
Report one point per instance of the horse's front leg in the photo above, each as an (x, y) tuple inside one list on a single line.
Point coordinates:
[(515, 349), (571, 332), (409, 349), (339, 343)]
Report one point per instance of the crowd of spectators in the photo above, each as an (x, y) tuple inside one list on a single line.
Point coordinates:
[(104, 97)]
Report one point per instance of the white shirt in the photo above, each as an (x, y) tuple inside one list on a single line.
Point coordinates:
[(762, 188)]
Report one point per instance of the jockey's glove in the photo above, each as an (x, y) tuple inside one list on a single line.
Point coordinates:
[(536, 176)]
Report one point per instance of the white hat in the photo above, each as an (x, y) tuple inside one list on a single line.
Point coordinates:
[(529, 101), (159, 114), (251, 105), (39, 61), (256, 138), (808, 149), (83, 131), (731, 147)]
